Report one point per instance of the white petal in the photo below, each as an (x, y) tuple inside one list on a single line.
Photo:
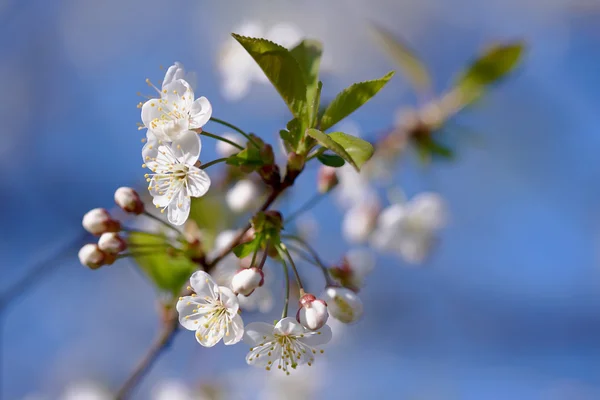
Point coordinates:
[(174, 72), (415, 248), (204, 285), (150, 151), (200, 113), (187, 147), (317, 338), (236, 331), (229, 299), (150, 112), (198, 182), (255, 333), (253, 358), (430, 208), (389, 224), (289, 326), (361, 261), (180, 93), (207, 336), (189, 312), (178, 210)]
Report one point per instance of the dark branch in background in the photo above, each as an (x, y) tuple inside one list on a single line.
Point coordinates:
[(171, 324)]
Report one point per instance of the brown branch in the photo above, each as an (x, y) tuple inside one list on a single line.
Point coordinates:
[(171, 323)]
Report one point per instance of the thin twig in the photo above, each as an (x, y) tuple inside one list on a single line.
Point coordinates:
[(235, 128), (313, 201), (222, 139)]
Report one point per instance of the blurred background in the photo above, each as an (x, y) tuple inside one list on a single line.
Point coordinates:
[(507, 307)]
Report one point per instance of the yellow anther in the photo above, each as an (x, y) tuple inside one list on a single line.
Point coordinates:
[(143, 165)]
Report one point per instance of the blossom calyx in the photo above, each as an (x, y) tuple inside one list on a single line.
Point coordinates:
[(312, 313), (129, 200), (344, 304), (99, 221), (246, 280), (111, 243)]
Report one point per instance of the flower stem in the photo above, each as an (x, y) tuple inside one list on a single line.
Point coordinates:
[(222, 139), (284, 251), (227, 124), (162, 221), (213, 162), (287, 289), (313, 201), (315, 256)]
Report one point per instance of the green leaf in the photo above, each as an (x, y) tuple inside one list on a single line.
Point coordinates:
[(350, 99), (331, 160), (250, 156), (282, 69), (168, 272), (428, 148), (211, 214), (352, 149), (245, 249), (412, 67), (308, 54), (494, 64)]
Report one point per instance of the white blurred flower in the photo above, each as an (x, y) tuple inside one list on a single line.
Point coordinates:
[(287, 344), (86, 391), (304, 383), (355, 266), (409, 229), (224, 149), (175, 177), (262, 297), (175, 113), (212, 312), (360, 220), (243, 196), (353, 188), (238, 69), (343, 304), (176, 390)]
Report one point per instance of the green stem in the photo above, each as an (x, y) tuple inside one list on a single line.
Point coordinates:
[(255, 253), (235, 128), (162, 221), (213, 162), (222, 139), (315, 256), (318, 152), (283, 251), (287, 289), (313, 201)]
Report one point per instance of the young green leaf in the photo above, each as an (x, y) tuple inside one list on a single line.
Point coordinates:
[(494, 64), (168, 272), (352, 149), (245, 249), (409, 63), (282, 69), (427, 148), (308, 54), (350, 99), (331, 160)]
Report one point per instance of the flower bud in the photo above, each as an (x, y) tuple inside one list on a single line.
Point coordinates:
[(327, 179), (295, 162), (99, 221), (243, 196), (129, 200), (91, 256), (344, 304), (246, 280), (111, 243), (312, 313)]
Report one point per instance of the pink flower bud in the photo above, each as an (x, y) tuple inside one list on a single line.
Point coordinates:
[(327, 179), (112, 243), (129, 200), (312, 313), (246, 280), (91, 256), (344, 304), (99, 221)]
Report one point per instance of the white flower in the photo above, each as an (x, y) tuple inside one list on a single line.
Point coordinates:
[(177, 71), (129, 200), (243, 196), (175, 112), (409, 229), (343, 304), (175, 178), (237, 67), (212, 312), (224, 149), (356, 265), (247, 280), (86, 390), (285, 345), (353, 188), (359, 221), (99, 221), (312, 313)]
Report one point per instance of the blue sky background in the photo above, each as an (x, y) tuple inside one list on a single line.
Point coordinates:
[(507, 308)]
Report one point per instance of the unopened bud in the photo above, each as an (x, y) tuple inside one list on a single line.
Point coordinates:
[(327, 179), (243, 196), (312, 313), (274, 218), (295, 162), (91, 256), (112, 243), (129, 200), (246, 280), (344, 304), (267, 155), (99, 221)]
